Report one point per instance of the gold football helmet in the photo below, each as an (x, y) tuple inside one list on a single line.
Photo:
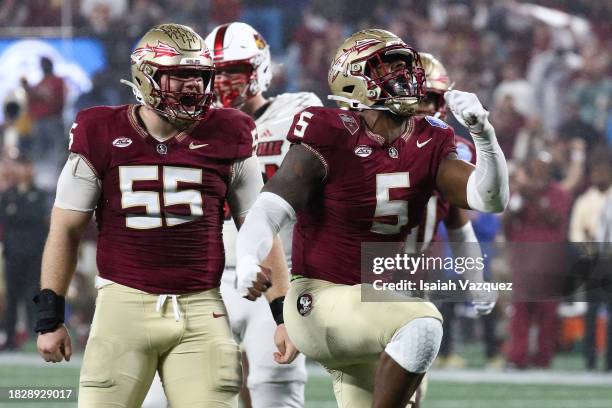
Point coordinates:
[(178, 51), (365, 73), (437, 82)]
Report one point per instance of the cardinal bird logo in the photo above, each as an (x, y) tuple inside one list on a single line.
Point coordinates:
[(160, 50)]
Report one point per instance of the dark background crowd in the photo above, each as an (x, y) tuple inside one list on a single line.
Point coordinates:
[(541, 68)]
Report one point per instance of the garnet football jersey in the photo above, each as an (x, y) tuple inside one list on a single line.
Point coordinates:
[(272, 145), (438, 207), (160, 212), (373, 191)]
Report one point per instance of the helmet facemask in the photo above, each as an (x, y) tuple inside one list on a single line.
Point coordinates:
[(391, 84), (177, 102), (235, 83)]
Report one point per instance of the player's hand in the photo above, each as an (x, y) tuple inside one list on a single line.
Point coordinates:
[(55, 346), (287, 352), (483, 308), (252, 280), (467, 109), (484, 302)]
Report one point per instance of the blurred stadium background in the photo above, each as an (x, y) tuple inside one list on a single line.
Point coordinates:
[(542, 68)]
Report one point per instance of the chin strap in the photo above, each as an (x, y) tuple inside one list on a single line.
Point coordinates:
[(135, 90)]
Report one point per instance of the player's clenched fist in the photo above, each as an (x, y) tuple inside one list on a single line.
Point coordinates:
[(467, 109), (252, 280), (55, 346)]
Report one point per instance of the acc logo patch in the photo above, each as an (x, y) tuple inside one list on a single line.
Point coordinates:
[(304, 304), (436, 122), (463, 152), (122, 142), (363, 151), (349, 122)]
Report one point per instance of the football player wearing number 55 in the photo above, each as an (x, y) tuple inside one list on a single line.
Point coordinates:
[(157, 175), (364, 173)]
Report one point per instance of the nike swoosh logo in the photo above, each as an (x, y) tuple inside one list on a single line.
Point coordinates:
[(196, 146), (217, 315), (419, 145)]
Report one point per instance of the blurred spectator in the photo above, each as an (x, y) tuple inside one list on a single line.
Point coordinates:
[(15, 131), (45, 99), (516, 88), (592, 91), (115, 9), (23, 214), (588, 209), (537, 214), (548, 73), (45, 107), (587, 221)]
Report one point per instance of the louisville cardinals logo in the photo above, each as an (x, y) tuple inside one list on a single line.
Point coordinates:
[(260, 42), (160, 50), (360, 45)]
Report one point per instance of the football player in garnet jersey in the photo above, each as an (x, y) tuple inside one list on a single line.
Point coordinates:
[(157, 175), (364, 174)]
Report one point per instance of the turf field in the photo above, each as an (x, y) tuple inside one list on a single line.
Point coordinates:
[(470, 388)]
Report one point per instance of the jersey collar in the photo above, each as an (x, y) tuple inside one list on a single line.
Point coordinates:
[(138, 127)]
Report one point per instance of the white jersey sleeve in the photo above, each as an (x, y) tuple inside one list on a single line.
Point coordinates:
[(272, 145), (245, 186), (78, 187)]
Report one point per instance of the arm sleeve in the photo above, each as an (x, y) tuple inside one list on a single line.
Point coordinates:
[(78, 187), (487, 187), (246, 183), (265, 219)]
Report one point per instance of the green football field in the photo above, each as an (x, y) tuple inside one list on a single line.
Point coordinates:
[(462, 393)]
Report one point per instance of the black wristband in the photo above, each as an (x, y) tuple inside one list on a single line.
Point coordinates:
[(49, 311), (276, 306)]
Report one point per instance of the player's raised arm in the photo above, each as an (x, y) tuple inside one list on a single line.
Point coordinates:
[(484, 188)]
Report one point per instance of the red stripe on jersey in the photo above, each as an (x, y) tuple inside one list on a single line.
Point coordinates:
[(219, 37)]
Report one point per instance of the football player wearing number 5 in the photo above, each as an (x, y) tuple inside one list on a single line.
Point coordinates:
[(364, 174), (157, 175)]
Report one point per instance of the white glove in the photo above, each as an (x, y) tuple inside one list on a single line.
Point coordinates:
[(484, 302), (467, 109), (247, 269), (483, 308)]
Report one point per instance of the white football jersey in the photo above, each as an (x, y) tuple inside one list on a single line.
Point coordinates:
[(272, 145)]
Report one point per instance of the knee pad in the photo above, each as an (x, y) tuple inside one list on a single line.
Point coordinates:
[(415, 345)]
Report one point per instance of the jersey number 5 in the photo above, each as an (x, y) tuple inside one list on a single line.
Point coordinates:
[(386, 207), (300, 126), (151, 199)]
